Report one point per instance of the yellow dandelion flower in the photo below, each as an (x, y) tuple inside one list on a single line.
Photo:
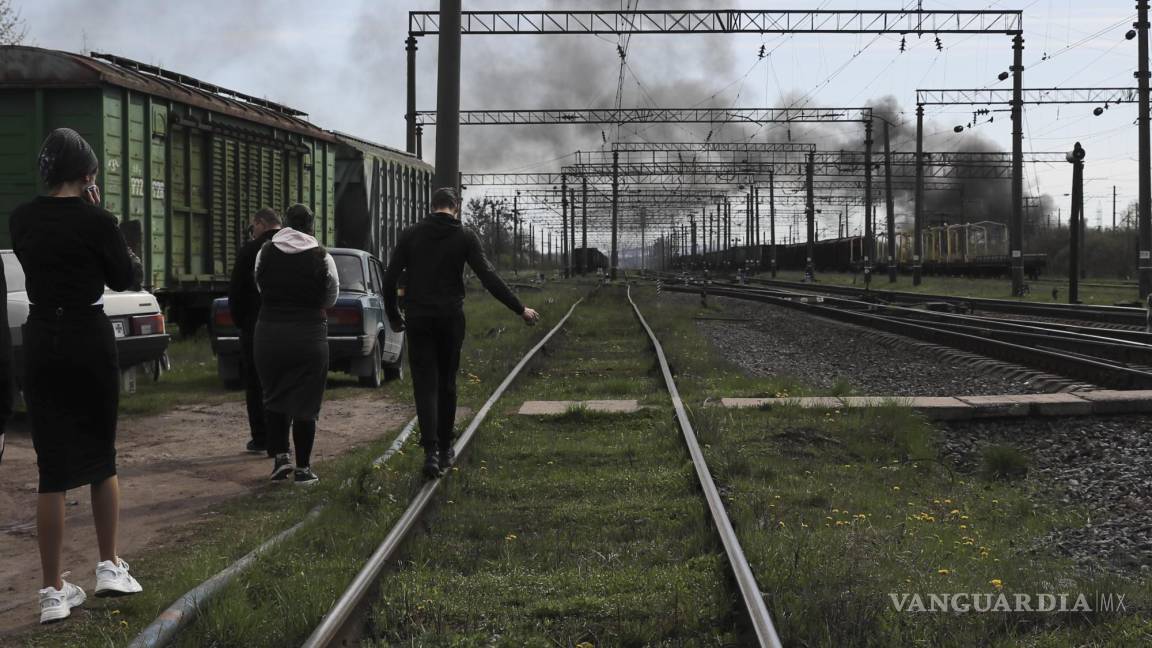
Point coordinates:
[(954, 512), (963, 517), (963, 526), (840, 523), (943, 572), (585, 644), (947, 501), (510, 537), (803, 526), (896, 488), (781, 524), (997, 583), (115, 612), (835, 510)]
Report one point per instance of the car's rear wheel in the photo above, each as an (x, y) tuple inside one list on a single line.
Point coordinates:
[(375, 378), (395, 371)]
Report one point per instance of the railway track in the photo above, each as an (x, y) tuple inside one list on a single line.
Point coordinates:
[(1120, 359), (1125, 315), (352, 613)]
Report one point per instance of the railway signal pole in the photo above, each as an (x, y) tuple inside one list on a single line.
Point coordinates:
[(772, 219), (615, 207), (1076, 157), (1016, 227)]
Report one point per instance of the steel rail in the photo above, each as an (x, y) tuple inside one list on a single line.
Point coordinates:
[(749, 589), (177, 616), (1069, 364), (1109, 314), (335, 623)]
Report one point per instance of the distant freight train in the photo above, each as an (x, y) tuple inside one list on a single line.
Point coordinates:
[(185, 163), (846, 255)]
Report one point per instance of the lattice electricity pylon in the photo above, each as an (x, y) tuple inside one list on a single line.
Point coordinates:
[(725, 21), (989, 97)]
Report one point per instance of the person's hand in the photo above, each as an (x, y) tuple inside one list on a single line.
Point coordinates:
[(92, 194), (396, 325), (530, 316)]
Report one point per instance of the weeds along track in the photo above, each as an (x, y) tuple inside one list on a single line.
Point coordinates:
[(557, 530)]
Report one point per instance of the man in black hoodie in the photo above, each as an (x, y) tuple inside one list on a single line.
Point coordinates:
[(244, 302), (434, 252)]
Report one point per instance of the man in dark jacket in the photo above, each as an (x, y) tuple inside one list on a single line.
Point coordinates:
[(244, 302), (434, 252), (5, 362)]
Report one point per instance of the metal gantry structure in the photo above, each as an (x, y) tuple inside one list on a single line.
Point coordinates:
[(709, 21)]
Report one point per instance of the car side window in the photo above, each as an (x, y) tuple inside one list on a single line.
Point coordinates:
[(377, 283)]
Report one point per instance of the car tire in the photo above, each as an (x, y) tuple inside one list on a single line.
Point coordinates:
[(395, 371), (375, 378)]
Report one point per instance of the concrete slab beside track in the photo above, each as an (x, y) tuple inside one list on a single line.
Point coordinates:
[(554, 408), (954, 408)]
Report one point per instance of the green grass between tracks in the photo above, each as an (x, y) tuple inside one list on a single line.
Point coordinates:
[(577, 528), (282, 597), (838, 509), (1093, 291)]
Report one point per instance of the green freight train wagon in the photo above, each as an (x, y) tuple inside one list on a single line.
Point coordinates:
[(184, 163), (379, 192)]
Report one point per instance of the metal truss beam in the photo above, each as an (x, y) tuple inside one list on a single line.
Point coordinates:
[(711, 147), (987, 97), (725, 21), (653, 116)]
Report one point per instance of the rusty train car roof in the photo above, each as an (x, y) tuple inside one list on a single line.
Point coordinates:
[(34, 67), (382, 150)]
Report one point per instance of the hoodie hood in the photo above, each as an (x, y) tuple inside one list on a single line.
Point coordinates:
[(290, 241), (442, 225)]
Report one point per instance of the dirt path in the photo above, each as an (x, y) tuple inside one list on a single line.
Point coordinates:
[(172, 467)]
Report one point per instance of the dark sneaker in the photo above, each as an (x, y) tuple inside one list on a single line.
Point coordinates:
[(282, 468), (431, 468), (255, 448), (447, 459), (305, 476)]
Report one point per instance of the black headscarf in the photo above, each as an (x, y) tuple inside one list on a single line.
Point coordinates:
[(65, 157)]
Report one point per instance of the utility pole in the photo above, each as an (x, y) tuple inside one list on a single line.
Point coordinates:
[(1145, 199), (564, 252), (1016, 227), (772, 218), (516, 233), (918, 213), (1076, 157), (1113, 207), (448, 97), (869, 234), (572, 232), (810, 212), (584, 225), (891, 205), (410, 47), (615, 206)]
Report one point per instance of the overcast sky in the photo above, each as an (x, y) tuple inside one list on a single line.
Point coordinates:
[(343, 62)]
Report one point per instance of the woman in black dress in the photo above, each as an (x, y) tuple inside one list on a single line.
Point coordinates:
[(297, 281), (70, 250)]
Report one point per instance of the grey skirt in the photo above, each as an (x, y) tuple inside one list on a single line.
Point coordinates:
[(292, 361)]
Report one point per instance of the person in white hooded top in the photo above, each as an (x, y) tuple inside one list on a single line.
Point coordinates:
[(297, 280)]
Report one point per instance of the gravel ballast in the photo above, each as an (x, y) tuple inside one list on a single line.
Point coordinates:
[(823, 354), (1103, 464)]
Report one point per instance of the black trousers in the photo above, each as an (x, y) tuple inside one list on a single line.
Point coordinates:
[(253, 390), (434, 344)]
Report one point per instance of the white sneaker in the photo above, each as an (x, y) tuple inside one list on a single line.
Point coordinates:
[(113, 579), (57, 604)]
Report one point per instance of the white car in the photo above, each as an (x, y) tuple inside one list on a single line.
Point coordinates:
[(141, 339)]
